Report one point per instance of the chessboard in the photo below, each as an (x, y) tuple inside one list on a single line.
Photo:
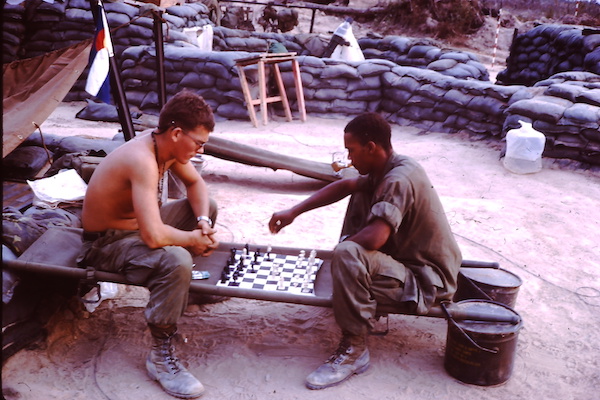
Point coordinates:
[(252, 269)]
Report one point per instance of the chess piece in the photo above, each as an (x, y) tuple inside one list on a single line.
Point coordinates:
[(300, 259), (281, 283)]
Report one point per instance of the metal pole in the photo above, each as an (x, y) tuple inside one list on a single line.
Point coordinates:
[(116, 88), (160, 58)]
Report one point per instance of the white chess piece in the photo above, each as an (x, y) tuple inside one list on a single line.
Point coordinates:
[(281, 283)]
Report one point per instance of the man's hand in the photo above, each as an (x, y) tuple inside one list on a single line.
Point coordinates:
[(205, 227), (281, 219), (205, 243)]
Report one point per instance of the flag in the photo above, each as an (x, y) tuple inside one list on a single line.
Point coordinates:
[(98, 82)]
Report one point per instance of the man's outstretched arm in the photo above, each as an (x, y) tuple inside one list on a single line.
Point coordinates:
[(327, 195)]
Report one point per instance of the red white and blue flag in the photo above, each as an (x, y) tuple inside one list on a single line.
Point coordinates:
[(98, 81)]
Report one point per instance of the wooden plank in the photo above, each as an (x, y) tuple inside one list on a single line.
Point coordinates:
[(16, 194)]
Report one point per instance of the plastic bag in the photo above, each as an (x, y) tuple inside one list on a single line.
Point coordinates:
[(108, 290)]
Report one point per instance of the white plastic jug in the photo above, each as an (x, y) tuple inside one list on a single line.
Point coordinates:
[(524, 148)]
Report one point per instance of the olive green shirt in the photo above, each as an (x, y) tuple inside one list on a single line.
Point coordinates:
[(421, 237)]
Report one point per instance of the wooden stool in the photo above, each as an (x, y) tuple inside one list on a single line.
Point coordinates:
[(272, 59)]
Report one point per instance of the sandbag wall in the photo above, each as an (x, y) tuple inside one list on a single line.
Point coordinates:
[(226, 39), (32, 29), (407, 95), (566, 111), (411, 81), (211, 74), (423, 53), (566, 108), (404, 51), (549, 49), (13, 30)]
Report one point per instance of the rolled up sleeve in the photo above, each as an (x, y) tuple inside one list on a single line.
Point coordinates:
[(388, 212)]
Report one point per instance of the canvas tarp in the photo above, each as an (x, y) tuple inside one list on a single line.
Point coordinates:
[(34, 87)]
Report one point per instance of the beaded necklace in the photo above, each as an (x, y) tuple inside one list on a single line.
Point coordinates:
[(161, 172)]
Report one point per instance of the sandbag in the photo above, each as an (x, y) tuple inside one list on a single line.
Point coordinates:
[(25, 162)]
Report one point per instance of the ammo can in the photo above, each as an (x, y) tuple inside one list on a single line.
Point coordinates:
[(494, 284), (481, 351)]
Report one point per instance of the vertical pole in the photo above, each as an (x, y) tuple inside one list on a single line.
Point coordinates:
[(116, 88), (312, 20), (160, 58), (577, 8), (496, 39)]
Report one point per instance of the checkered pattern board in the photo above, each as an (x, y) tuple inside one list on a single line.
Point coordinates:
[(271, 271)]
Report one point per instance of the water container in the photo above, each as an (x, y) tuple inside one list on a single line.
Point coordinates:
[(524, 148)]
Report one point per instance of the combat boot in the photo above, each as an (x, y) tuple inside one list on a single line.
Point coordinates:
[(351, 357), (164, 367)]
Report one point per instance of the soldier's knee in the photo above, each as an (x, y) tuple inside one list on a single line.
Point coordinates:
[(178, 260), (347, 249), (346, 258)]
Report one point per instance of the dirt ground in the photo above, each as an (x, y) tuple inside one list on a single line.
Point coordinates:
[(544, 227)]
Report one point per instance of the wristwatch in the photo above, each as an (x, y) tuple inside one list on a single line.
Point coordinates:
[(205, 218)]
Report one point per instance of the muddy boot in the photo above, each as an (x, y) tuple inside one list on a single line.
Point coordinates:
[(164, 367), (351, 357)]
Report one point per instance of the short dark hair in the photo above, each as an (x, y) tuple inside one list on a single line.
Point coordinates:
[(186, 110), (371, 127)]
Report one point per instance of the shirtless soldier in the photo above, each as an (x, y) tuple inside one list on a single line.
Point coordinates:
[(128, 230)]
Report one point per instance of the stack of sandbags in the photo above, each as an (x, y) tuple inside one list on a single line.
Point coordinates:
[(338, 87), (566, 109), (134, 27), (213, 75), (437, 102), (424, 53), (34, 30), (407, 95), (13, 30), (591, 48), (549, 49), (400, 50), (227, 39), (63, 23), (45, 31)]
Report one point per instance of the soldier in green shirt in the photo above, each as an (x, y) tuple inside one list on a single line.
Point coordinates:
[(396, 247)]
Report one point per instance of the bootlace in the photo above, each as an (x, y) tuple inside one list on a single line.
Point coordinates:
[(171, 361), (341, 353)]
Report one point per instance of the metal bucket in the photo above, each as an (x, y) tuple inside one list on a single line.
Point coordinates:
[(494, 284), (481, 350)]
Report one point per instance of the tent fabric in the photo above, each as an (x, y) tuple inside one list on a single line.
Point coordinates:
[(34, 87)]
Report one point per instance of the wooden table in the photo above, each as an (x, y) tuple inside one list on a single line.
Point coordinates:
[(262, 61)]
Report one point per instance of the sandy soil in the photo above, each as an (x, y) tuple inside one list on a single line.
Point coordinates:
[(543, 227)]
